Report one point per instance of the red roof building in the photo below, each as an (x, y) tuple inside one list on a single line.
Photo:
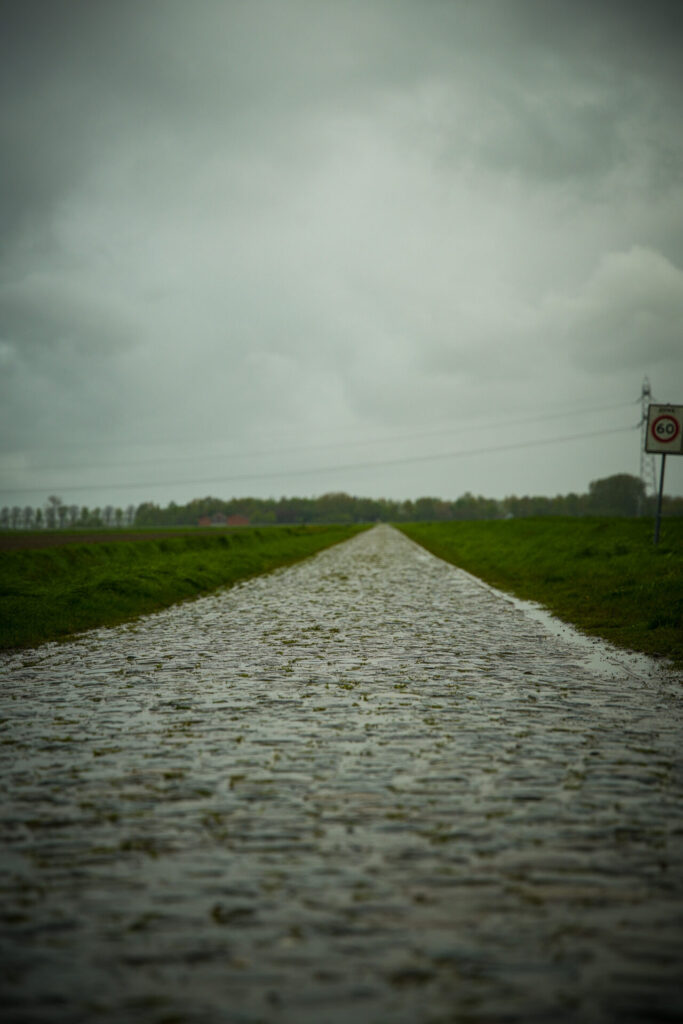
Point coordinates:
[(219, 519)]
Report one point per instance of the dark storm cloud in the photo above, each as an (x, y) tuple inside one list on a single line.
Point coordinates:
[(635, 37), (82, 79), (51, 81)]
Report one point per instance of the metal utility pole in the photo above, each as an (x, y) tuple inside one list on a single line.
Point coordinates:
[(658, 514), (647, 460)]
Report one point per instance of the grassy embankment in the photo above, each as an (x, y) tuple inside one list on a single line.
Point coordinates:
[(53, 592), (603, 575)]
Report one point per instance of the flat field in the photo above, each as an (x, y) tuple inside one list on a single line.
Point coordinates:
[(65, 583), (603, 575)]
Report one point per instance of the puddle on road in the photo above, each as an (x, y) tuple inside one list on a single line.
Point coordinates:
[(598, 654)]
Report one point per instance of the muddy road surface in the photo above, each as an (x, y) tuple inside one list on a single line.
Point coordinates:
[(365, 789)]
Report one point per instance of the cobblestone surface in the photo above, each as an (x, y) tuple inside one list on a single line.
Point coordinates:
[(363, 789)]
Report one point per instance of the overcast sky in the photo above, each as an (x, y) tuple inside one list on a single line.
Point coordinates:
[(284, 247)]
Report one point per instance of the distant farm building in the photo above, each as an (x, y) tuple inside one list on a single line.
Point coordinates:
[(219, 519), (237, 520)]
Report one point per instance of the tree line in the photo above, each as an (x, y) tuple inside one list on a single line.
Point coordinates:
[(56, 515), (619, 495)]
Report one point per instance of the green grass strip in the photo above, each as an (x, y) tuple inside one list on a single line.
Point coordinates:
[(603, 575), (54, 592)]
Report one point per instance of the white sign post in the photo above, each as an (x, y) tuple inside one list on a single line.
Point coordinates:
[(665, 437)]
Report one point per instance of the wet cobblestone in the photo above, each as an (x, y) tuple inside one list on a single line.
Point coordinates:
[(363, 789)]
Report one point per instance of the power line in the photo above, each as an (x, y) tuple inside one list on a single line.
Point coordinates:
[(403, 460), (364, 443)]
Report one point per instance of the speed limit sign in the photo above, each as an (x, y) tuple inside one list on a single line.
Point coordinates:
[(665, 429)]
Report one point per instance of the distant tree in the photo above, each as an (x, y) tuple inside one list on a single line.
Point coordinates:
[(541, 505), (467, 506), (53, 504), (573, 504), (367, 511), (39, 518), (336, 507), (619, 495), (426, 509), (15, 517), (614, 496), (4, 518), (489, 508), (671, 506), (118, 516), (257, 510), (27, 516), (296, 510), (531, 505), (108, 515), (148, 514), (62, 515), (73, 515)]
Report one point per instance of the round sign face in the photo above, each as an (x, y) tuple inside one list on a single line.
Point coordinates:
[(665, 428)]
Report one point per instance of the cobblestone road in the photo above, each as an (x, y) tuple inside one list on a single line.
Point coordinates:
[(363, 789)]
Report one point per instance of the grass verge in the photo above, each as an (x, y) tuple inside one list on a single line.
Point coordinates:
[(54, 592), (603, 575)]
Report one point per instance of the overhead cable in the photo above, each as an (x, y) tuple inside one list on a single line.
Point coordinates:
[(364, 443), (379, 464)]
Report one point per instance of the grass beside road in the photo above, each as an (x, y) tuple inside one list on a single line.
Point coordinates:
[(603, 575), (53, 592)]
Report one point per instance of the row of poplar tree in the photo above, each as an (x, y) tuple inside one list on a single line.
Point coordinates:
[(55, 514)]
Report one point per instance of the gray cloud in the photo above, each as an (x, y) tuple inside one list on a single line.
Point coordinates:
[(70, 314), (629, 313), (235, 226)]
